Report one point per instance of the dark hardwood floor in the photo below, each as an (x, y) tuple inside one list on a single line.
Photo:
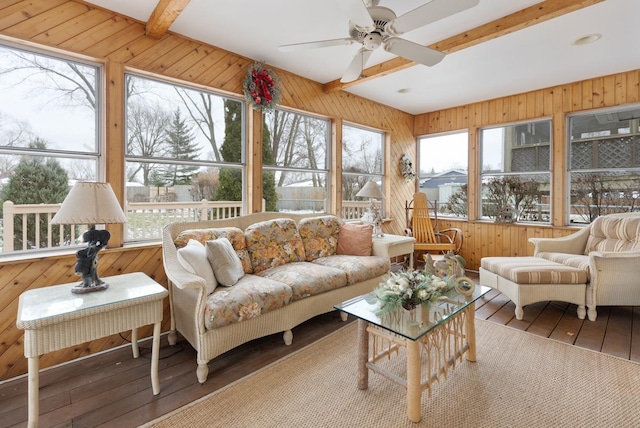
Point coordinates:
[(114, 390)]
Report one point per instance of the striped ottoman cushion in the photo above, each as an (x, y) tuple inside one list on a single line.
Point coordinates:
[(533, 270)]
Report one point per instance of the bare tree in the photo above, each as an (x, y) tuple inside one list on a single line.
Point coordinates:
[(146, 128), (200, 106), (73, 83)]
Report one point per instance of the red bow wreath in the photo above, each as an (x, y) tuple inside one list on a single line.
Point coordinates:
[(261, 87)]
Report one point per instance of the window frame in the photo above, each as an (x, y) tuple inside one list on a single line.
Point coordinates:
[(502, 215)]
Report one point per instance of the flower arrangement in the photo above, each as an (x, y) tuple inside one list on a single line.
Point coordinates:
[(407, 168), (410, 289), (261, 87)]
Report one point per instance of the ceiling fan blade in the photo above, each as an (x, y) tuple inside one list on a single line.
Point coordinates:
[(428, 13), (357, 13), (357, 65), (413, 51), (313, 45)]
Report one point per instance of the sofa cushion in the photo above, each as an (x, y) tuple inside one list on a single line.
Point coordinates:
[(273, 243), (357, 268), (233, 234), (249, 298), (614, 233), (224, 261), (533, 270), (355, 239), (307, 279), (319, 236), (193, 257), (577, 261)]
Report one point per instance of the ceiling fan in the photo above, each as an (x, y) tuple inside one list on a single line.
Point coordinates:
[(373, 26)]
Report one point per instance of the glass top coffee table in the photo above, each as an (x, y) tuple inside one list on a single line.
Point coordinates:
[(434, 336)]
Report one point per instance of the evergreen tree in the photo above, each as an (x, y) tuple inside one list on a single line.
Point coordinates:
[(230, 188), (268, 177), (180, 145), (36, 180)]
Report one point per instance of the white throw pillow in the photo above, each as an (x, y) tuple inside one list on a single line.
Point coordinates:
[(224, 261), (193, 257)]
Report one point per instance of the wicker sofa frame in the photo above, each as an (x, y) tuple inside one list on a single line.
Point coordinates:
[(188, 299)]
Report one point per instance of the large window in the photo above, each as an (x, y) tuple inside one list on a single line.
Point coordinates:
[(362, 161), (604, 164), (443, 172), (516, 172), (184, 148), (49, 127), (295, 158)]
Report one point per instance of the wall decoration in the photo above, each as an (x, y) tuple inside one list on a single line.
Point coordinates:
[(261, 87), (406, 165)]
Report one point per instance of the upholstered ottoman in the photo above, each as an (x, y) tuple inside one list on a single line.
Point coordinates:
[(527, 280)]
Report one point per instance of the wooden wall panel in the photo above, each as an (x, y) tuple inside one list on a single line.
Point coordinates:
[(82, 29), (484, 238)]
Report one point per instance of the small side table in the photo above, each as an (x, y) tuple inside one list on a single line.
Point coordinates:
[(53, 318), (393, 246)]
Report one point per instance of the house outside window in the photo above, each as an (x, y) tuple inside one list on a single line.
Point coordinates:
[(49, 128), (295, 162), (604, 163), (184, 155), (516, 172), (362, 161), (443, 172)]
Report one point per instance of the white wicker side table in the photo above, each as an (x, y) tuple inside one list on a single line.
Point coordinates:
[(53, 318)]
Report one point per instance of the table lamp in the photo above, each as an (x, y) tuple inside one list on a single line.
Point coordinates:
[(372, 191), (90, 203)]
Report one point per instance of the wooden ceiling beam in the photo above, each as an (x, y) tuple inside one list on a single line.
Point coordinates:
[(165, 14), (519, 20)]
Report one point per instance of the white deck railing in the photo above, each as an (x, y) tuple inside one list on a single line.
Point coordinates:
[(145, 221)]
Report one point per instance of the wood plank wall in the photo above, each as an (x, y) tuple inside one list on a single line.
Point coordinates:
[(483, 238), (119, 42)]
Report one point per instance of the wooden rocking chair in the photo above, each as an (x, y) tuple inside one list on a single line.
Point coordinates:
[(428, 238)]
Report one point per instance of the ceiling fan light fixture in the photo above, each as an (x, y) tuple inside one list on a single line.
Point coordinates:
[(589, 38)]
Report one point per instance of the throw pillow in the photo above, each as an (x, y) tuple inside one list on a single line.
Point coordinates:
[(224, 261), (355, 239), (193, 257)]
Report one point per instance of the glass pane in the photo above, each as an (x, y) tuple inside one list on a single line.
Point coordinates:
[(516, 148), (443, 171), (210, 193), (603, 124), (33, 187), (295, 140), (169, 121), (606, 153), (598, 193), (49, 100), (296, 192), (362, 151), (354, 207), (511, 198)]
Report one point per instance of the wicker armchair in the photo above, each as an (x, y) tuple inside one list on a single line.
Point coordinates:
[(609, 249)]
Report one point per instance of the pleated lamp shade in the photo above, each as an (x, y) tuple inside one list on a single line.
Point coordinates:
[(90, 203), (371, 190)]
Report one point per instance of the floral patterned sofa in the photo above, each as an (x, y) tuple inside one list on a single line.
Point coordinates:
[(286, 271)]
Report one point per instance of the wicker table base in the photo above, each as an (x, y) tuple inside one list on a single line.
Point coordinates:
[(442, 347), (53, 318)]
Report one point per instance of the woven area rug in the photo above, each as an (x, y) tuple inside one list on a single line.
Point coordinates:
[(519, 380)]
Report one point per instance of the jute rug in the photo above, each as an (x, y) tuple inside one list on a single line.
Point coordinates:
[(519, 380)]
